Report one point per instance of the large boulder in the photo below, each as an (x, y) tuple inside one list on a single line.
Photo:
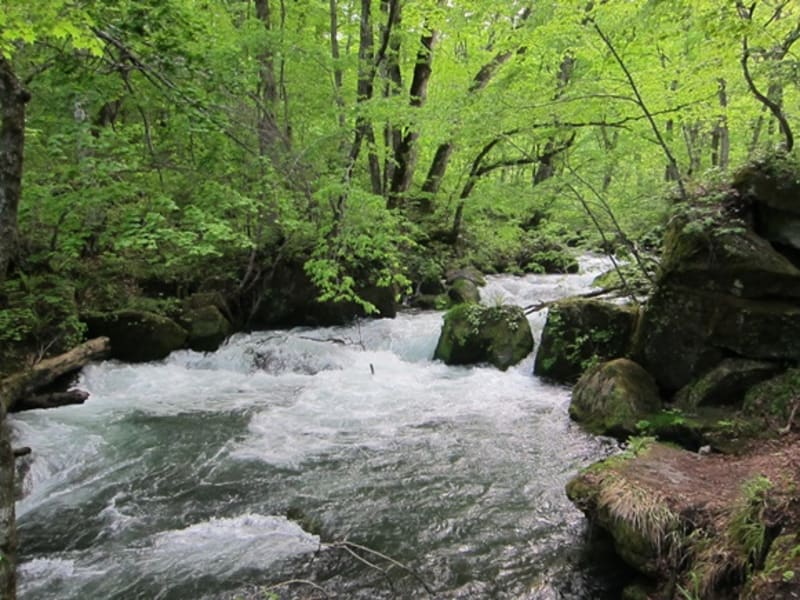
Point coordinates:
[(137, 336), (726, 384), (207, 328), (582, 332), (464, 291), (499, 335), (706, 250), (469, 273), (722, 291), (611, 398), (686, 332)]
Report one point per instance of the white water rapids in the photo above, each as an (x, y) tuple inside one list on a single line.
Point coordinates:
[(207, 476)]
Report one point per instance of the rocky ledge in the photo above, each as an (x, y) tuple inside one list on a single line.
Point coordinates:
[(700, 526)]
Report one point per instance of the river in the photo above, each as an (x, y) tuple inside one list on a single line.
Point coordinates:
[(213, 476)]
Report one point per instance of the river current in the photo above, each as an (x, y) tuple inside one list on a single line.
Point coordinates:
[(217, 475)]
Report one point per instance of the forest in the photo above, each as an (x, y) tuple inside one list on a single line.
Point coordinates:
[(174, 172), (151, 149)]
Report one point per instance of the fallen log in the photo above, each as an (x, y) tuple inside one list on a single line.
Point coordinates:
[(532, 308), (25, 383)]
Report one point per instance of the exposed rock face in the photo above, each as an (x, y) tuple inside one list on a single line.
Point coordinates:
[(723, 291), (207, 328), (473, 334), (580, 332), (138, 336), (611, 398)]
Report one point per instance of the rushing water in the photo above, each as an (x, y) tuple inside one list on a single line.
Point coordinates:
[(212, 476)]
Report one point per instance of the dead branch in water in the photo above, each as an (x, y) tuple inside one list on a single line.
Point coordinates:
[(23, 384), (532, 308)]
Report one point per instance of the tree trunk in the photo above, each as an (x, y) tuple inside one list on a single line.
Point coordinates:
[(720, 138), (443, 153), (21, 385), (406, 155), (272, 140), (390, 71), (13, 98)]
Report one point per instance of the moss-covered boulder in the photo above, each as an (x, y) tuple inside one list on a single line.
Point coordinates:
[(499, 335), (137, 336), (684, 333), (463, 291), (542, 254), (612, 397), (772, 181), (469, 273), (207, 328), (705, 249), (582, 332), (725, 384)]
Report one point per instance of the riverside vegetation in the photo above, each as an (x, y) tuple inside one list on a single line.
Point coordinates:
[(192, 169)]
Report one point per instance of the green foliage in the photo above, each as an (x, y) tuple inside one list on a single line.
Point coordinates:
[(39, 316), (747, 526), (365, 248), (147, 155), (666, 419)]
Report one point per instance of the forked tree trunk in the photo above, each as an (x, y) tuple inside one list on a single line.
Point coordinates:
[(13, 98)]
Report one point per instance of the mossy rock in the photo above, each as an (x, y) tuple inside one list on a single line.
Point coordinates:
[(463, 291), (207, 328), (498, 335), (613, 397), (469, 273), (638, 521), (706, 251), (771, 401), (773, 181), (718, 427), (684, 333), (137, 336), (582, 332), (725, 384), (547, 256)]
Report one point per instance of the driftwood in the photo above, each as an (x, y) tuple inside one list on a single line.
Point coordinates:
[(532, 308), (15, 388)]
